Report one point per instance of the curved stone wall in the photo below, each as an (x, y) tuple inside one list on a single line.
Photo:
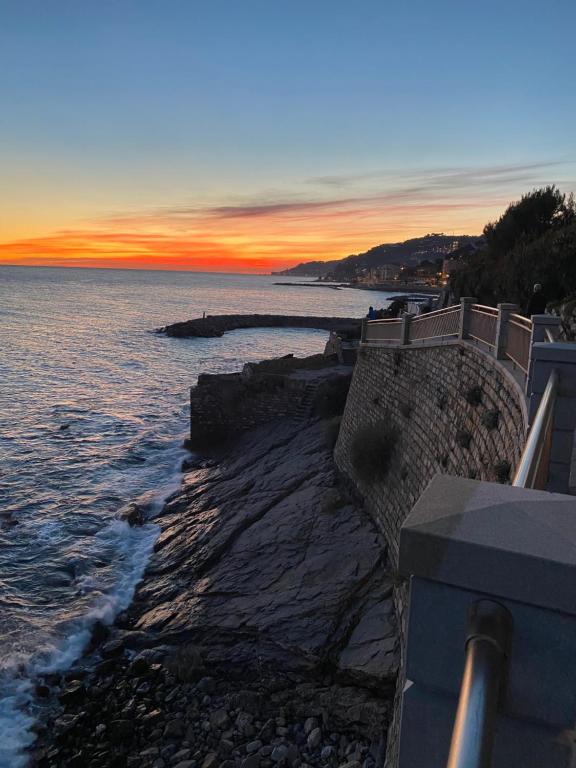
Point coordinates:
[(455, 409)]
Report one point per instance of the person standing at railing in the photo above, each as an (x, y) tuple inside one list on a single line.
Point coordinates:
[(371, 313), (537, 303)]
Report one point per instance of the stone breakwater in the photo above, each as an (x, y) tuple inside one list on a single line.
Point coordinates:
[(263, 634), (218, 325)]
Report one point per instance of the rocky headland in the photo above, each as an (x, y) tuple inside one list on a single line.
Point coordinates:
[(218, 325), (263, 634)]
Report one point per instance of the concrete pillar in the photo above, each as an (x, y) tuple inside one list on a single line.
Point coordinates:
[(539, 325), (544, 358), (405, 331), (466, 304), (363, 331), (504, 312), (465, 541)]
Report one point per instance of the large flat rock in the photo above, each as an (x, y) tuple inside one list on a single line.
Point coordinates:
[(262, 558)]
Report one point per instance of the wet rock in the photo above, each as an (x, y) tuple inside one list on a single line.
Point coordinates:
[(133, 514)]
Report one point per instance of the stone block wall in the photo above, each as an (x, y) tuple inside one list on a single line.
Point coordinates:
[(229, 404), (455, 411)]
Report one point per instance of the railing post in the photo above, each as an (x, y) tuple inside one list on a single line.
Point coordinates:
[(504, 312), (539, 325), (363, 331), (405, 330), (466, 304)]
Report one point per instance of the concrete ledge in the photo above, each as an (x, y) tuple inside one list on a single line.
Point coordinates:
[(427, 721), (541, 677), (510, 542)]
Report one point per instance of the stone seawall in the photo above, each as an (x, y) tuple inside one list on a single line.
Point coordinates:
[(223, 405), (218, 325), (455, 410)]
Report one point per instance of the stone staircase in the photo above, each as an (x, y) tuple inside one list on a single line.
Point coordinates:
[(304, 407)]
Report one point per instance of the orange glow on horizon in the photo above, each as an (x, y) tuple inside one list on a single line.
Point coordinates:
[(258, 238)]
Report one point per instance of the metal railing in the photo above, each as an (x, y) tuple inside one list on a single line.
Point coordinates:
[(488, 645), (383, 330), (483, 322), (442, 323), (532, 470), (518, 339)]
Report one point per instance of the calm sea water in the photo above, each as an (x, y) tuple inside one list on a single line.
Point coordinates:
[(93, 411)]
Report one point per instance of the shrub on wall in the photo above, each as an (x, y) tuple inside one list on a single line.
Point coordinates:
[(372, 450), (463, 438), (331, 398), (490, 419), (474, 395), (406, 409), (502, 471)]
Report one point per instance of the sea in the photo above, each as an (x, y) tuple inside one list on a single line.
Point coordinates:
[(94, 408)]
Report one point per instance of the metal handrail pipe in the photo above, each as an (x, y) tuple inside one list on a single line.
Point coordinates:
[(484, 309), (487, 649), (549, 335), (537, 439)]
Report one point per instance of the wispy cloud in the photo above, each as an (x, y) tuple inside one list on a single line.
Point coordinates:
[(312, 221)]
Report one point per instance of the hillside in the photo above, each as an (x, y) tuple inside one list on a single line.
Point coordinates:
[(310, 269), (409, 253)]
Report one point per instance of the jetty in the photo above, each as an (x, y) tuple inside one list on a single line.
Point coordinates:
[(213, 326)]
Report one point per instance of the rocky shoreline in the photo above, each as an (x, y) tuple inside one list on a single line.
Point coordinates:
[(263, 634)]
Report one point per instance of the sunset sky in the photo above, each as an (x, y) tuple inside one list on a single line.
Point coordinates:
[(249, 135)]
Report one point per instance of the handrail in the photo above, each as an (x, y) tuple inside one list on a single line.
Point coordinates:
[(549, 335), (532, 471), (436, 312), (488, 644), (485, 309)]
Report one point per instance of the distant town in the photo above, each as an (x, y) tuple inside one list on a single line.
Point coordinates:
[(417, 263)]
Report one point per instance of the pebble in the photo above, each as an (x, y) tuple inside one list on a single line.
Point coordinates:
[(252, 761), (314, 738), (310, 724), (279, 753), (219, 719), (253, 746), (210, 761)]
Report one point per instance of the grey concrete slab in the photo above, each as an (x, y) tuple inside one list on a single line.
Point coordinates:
[(510, 542), (541, 680), (427, 721)]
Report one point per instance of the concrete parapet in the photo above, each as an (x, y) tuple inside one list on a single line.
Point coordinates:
[(504, 312), (465, 540), (466, 303), (544, 358)]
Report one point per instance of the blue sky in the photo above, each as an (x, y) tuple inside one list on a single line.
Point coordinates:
[(113, 108)]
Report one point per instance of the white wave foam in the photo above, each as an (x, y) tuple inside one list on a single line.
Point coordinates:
[(131, 546)]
